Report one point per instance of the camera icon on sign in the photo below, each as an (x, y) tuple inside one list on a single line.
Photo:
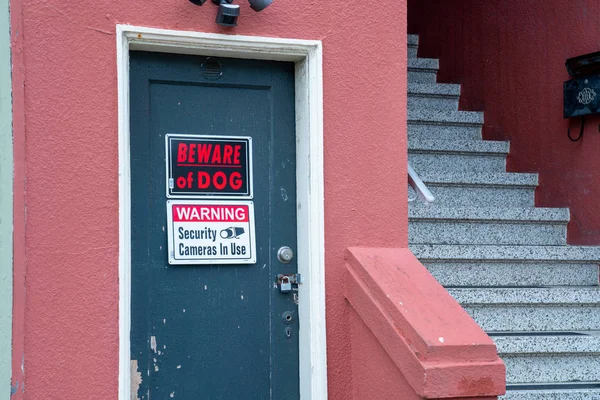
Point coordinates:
[(232, 233)]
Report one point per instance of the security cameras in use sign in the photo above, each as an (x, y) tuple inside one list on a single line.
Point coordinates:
[(215, 166), (211, 232)]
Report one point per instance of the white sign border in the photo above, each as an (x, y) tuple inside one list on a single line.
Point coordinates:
[(171, 232), (250, 160)]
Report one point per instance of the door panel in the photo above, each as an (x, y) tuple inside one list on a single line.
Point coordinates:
[(201, 331)]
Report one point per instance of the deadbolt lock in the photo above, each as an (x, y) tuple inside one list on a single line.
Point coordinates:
[(285, 254)]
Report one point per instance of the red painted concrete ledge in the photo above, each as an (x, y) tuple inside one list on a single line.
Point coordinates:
[(410, 339)]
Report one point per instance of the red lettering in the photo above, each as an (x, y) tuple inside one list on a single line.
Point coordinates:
[(204, 153), (192, 153), (236, 154), (220, 180), (235, 181), (227, 152), (216, 158), (182, 152), (203, 180), (181, 182)]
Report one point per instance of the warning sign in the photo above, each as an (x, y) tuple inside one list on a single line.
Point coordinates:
[(211, 232), (215, 166)]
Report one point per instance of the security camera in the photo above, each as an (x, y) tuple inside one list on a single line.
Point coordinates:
[(259, 5), (217, 2), (228, 14)]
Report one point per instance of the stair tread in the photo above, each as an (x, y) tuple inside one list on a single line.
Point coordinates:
[(555, 394), (547, 345), (557, 295), (434, 89), (480, 178), (574, 254), (413, 40), (457, 146), (536, 214), (445, 116), (423, 64)]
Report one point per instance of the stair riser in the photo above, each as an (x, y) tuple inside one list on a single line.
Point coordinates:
[(553, 368), (422, 76), (439, 131), (482, 232), (548, 345), (432, 103), (481, 196), (552, 395), (513, 274), (445, 162), (503, 318)]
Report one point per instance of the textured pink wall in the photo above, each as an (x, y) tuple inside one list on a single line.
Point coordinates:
[(373, 367), (19, 253), (70, 133), (509, 57)]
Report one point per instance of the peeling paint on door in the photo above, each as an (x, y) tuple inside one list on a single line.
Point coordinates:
[(153, 343), (136, 380)]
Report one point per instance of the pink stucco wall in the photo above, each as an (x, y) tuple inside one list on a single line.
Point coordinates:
[(19, 254), (373, 367), (69, 131), (510, 57)]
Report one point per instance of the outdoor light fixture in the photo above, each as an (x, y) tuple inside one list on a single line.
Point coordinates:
[(582, 91), (583, 65), (228, 13), (259, 5)]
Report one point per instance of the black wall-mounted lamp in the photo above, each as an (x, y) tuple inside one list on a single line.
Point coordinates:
[(259, 5), (228, 12), (582, 92)]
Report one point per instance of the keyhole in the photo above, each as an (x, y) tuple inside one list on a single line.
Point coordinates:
[(287, 317), (288, 332)]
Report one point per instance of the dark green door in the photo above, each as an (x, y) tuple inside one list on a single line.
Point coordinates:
[(213, 331)]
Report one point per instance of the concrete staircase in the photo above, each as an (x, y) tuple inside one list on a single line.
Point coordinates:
[(505, 260)]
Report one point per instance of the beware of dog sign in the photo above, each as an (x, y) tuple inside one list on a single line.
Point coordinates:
[(209, 166)]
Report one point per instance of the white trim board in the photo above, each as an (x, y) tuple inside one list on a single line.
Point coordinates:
[(6, 202), (307, 56)]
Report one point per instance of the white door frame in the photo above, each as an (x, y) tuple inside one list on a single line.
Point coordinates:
[(307, 56)]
